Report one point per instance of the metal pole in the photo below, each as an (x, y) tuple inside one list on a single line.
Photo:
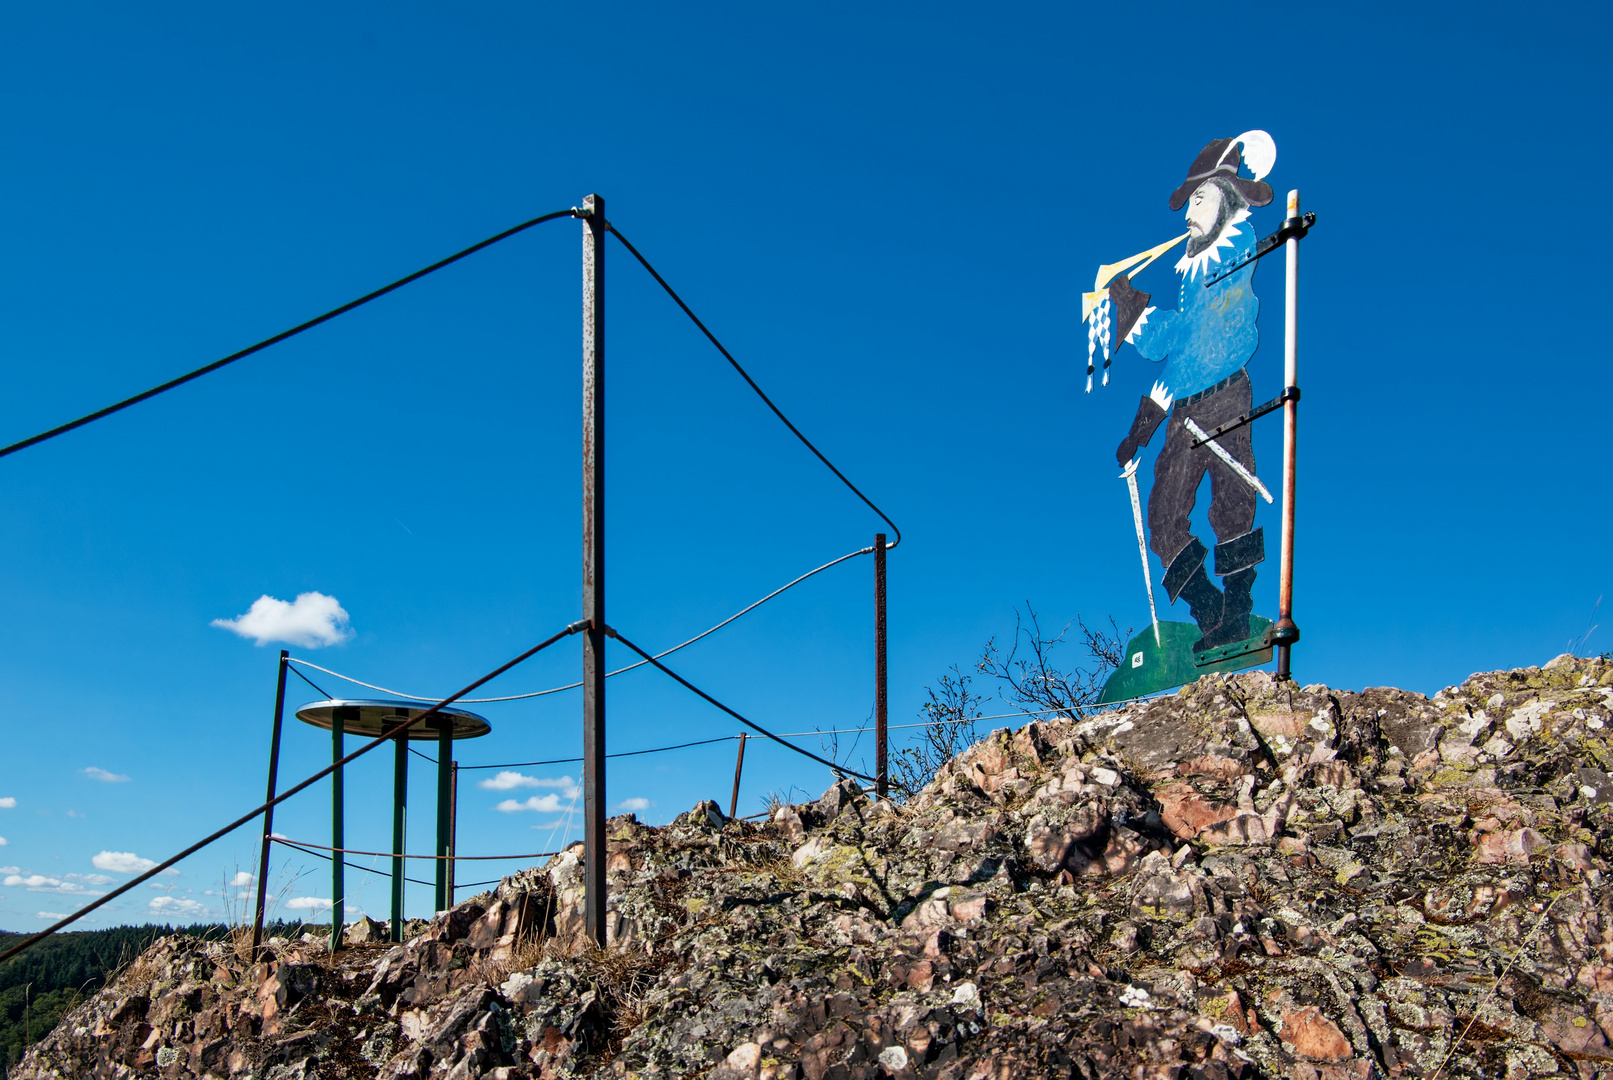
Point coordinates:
[(400, 801), (881, 766), (268, 815), (453, 830), (445, 784), (739, 767), (1286, 633), (338, 832), (593, 564)]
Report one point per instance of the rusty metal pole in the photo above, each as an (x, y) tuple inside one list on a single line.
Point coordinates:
[(1285, 633), (593, 564), (739, 766), (268, 815), (881, 765)]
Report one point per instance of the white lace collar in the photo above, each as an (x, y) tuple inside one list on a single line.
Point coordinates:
[(1192, 264)]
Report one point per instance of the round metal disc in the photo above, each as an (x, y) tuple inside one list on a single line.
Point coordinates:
[(372, 718)]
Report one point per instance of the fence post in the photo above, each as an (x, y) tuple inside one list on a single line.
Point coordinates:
[(445, 782), (400, 805), (453, 830), (593, 564), (338, 832), (881, 764), (268, 815), (739, 766)]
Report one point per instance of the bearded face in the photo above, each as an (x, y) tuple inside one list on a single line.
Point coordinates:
[(1208, 210)]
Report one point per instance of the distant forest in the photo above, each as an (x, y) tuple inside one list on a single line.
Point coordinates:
[(37, 987)]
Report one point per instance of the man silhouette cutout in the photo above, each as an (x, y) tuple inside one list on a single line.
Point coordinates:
[(1205, 344)]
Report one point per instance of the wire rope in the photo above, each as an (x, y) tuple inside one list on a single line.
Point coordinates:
[(759, 392), (68, 920), (144, 395), (687, 685), (572, 686)]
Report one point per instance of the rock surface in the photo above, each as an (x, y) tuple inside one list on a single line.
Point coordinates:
[(1244, 879)]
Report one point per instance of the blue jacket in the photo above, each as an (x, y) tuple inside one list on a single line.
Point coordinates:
[(1211, 334)]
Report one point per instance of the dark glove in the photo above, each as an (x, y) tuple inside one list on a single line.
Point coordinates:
[(1149, 416), (1129, 306)]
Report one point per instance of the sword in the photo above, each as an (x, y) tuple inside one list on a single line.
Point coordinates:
[(1130, 476), (1220, 451)]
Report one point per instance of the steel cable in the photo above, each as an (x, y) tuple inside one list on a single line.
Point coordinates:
[(171, 384), (752, 382), (687, 685), (572, 686), (33, 939)]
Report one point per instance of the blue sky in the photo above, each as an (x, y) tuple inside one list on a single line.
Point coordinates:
[(887, 213)]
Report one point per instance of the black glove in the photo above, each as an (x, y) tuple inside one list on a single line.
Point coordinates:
[(1149, 417), (1129, 307)]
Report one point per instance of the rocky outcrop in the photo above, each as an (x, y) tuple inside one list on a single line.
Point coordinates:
[(1244, 879)]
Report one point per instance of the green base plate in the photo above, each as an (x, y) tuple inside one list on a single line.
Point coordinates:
[(1149, 667)]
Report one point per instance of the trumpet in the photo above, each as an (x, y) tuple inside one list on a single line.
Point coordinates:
[(1096, 305)]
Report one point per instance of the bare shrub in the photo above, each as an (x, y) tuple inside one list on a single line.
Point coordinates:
[(1027, 677), (949, 727)]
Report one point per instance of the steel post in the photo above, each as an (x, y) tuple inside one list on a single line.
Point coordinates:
[(453, 830), (445, 783), (1285, 633), (881, 764), (400, 801), (739, 767), (268, 815), (593, 564), (338, 828)]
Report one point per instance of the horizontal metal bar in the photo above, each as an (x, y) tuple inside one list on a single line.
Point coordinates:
[(1291, 230), (1290, 393)]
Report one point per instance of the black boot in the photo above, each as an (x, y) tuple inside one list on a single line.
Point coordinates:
[(1185, 577), (1235, 561)]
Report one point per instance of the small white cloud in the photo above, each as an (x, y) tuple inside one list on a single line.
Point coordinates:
[(241, 878), (541, 804), (4, 842), (10, 869), (41, 883), (95, 772), (173, 905), (89, 879), (509, 781), (635, 804), (74, 813), (126, 862), (311, 621), (8, 803), (157, 885), (50, 914), (309, 903)]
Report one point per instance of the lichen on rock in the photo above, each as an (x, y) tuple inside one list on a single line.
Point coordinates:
[(1241, 879)]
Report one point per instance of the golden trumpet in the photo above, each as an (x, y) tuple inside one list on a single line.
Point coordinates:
[(1109, 271)]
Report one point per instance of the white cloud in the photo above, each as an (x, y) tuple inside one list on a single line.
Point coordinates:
[(89, 879), (8, 803), (635, 804), (310, 621), (542, 804), (10, 869), (4, 842), (509, 781), (309, 903), (173, 905), (50, 914), (241, 878), (95, 772), (126, 862), (41, 883), (74, 814)]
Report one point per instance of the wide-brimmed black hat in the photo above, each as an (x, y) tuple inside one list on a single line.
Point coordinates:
[(1221, 160)]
